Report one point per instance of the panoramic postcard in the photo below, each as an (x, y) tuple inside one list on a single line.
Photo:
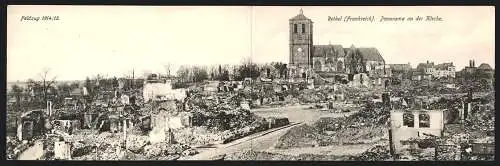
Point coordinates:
[(325, 83)]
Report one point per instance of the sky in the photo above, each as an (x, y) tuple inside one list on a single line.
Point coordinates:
[(114, 40)]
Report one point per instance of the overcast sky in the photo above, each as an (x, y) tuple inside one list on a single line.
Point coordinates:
[(113, 40)]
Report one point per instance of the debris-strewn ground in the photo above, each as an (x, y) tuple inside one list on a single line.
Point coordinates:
[(366, 125), (377, 153), (254, 155)]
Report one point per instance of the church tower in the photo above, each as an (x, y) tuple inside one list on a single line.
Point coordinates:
[(301, 40)]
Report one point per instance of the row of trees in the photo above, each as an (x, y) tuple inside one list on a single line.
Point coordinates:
[(247, 69)]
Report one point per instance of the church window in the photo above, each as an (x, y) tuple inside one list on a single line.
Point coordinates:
[(294, 28), (317, 65), (303, 28)]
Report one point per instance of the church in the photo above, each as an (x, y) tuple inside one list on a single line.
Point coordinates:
[(306, 58)]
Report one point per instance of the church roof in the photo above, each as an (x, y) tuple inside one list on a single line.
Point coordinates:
[(425, 65), (300, 16), (485, 66), (329, 50), (370, 54)]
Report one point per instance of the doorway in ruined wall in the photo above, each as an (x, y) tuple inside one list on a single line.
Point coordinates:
[(27, 130), (408, 119)]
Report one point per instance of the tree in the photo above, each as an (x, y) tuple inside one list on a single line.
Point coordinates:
[(44, 86), (248, 69), (183, 73), (115, 82), (199, 74), (64, 89), (192, 74), (17, 92)]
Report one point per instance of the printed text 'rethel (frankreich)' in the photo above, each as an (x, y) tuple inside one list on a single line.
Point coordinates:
[(384, 19)]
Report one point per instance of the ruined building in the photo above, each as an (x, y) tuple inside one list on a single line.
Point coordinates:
[(414, 124)]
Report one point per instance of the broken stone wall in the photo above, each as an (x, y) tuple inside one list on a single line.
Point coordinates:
[(402, 133), (62, 150)]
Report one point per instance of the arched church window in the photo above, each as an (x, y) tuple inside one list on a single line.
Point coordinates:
[(303, 28), (340, 66), (294, 28), (317, 65), (408, 119)]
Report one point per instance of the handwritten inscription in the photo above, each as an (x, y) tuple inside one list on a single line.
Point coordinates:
[(39, 18), (384, 19)]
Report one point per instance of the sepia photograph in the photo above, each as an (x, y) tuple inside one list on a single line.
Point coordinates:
[(292, 83)]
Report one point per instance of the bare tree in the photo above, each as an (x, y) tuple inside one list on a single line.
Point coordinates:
[(248, 69), (44, 84)]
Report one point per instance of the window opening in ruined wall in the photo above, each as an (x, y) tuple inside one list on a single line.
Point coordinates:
[(424, 121), (408, 119)]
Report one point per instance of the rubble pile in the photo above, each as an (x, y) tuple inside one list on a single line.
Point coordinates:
[(136, 143), (482, 119), (81, 149), (299, 136), (311, 96), (367, 125), (446, 153), (377, 153), (158, 150), (223, 119), (14, 147), (257, 155), (196, 136)]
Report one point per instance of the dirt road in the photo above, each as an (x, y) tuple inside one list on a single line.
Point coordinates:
[(34, 152), (260, 141), (298, 113)]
